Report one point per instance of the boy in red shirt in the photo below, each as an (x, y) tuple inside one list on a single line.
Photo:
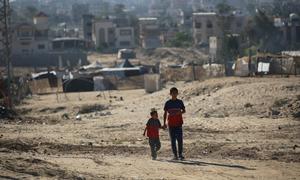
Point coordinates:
[(152, 129), (174, 108)]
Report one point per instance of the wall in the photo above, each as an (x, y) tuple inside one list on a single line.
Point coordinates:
[(204, 26), (49, 59), (101, 32), (121, 37)]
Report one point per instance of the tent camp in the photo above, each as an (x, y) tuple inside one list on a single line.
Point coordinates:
[(78, 85), (125, 69), (241, 67), (93, 66)]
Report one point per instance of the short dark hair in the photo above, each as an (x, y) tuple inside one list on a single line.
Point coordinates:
[(153, 112), (173, 89)]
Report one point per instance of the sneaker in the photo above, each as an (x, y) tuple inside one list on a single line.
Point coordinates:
[(181, 158), (175, 158)]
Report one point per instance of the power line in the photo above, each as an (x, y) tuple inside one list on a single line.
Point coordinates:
[(5, 45)]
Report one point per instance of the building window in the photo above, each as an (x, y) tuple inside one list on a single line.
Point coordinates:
[(209, 24), (198, 25), (25, 43), (125, 32), (111, 31), (25, 33), (124, 43), (41, 46), (89, 24), (239, 24)]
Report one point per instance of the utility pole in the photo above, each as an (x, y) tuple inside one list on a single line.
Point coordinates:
[(5, 45)]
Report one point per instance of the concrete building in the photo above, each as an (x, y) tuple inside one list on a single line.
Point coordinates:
[(125, 37), (205, 25), (32, 46), (149, 33), (87, 27), (29, 38), (290, 29), (106, 35)]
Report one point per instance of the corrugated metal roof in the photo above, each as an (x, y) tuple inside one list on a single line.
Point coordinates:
[(291, 53)]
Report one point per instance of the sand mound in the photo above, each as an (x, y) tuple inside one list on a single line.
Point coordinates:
[(173, 55), (260, 97)]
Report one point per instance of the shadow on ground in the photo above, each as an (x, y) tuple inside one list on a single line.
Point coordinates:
[(202, 163)]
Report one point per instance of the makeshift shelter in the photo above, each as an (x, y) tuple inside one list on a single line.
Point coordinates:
[(99, 84), (242, 67), (50, 75), (93, 66), (126, 54), (275, 64), (125, 69), (213, 70), (78, 85), (125, 64), (293, 56)]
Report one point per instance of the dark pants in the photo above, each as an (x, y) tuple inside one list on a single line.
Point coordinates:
[(176, 134), (154, 146)]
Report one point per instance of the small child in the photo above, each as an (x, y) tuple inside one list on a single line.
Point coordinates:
[(152, 128)]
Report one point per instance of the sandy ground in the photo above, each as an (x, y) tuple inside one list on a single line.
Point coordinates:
[(235, 128)]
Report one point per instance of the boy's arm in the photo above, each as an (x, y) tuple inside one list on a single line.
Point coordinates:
[(165, 118), (160, 126), (145, 131), (183, 108)]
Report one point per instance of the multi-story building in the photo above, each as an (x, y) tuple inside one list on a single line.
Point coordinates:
[(29, 38), (104, 34), (125, 37), (149, 33), (210, 24), (205, 25), (290, 29), (107, 35), (87, 27), (32, 46)]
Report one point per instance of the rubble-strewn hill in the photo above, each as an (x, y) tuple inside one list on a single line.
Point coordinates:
[(234, 97), (173, 55)]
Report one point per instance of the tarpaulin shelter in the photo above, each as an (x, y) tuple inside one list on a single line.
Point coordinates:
[(83, 84)]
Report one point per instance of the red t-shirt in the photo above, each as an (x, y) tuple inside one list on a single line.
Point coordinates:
[(174, 109), (153, 126)]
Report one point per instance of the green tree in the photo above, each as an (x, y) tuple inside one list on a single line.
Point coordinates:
[(284, 8), (230, 47), (224, 7), (262, 33), (181, 39)]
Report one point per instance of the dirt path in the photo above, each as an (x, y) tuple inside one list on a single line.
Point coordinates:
[(230, 132)]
